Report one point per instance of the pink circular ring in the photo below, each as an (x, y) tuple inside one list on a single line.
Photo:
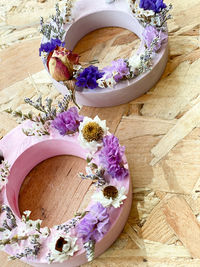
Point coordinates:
[(23, 153), (114, 15)]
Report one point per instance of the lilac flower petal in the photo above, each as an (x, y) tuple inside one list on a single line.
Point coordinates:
[(119, 67), (150, 33), (111, 157), (118, 77), (68, 121), (60, 126), (95, 224)]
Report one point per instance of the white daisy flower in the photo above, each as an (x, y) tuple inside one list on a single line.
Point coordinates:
[(134, 62), (130, 3), (110, 196), (88, 170), (44, 55), (33, 225), (62, 247), (111, 82), (21, 229), (27, 213), (29, 225), (107, 82), (101, 82), (45, 231), (3, 182), (91, 133), (6, 234), (4, 173)]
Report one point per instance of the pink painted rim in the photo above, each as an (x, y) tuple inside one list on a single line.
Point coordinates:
[(23, 153)]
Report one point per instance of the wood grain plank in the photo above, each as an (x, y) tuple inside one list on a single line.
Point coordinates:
[(19, 60), (156, 228), (53, 191), (170, 99), (177, 172), (184, 223), (183, 127)]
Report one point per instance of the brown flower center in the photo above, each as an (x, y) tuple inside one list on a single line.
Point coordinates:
[(60, 243), (92, 132), (110, 192)]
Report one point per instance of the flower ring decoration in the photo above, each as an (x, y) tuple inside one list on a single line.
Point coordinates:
[(59, 131), (125, 78)]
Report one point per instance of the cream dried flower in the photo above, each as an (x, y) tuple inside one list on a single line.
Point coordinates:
[(62, 247), (91, 133), (134, 62), (110, 196)]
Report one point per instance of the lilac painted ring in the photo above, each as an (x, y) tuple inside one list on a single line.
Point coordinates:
[(89, 16), (23, 153)]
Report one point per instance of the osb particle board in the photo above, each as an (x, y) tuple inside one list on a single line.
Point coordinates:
[(153, 236)]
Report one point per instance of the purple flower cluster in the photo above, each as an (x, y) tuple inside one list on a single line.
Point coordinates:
[(119, 67), (111, 157), (68, 121), (95, 224), (50, 46), (155, 5), (150, 33), (88, 77)]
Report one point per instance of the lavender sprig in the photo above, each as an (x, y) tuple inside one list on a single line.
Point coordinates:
[(6, 226), (27, 251), (13, 240), (89, 248), (21, 116), (4, 173), (67, 227), (63, 105), (71, 224), (38, 130), (146, 58), (55, 27), (68, 8), (47, 113), (97, 176), (10, 217)]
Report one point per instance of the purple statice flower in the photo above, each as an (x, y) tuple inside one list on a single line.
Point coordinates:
[(150, 33), (155, 5), (111, 157), (88, 77), (119, 67), (68, 121), (94, 224), (50, 46)]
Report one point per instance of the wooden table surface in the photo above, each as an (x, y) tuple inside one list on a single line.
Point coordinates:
[(160, 131)]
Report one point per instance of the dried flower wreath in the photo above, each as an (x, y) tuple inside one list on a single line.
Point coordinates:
[(63, 65), (61, 128)]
